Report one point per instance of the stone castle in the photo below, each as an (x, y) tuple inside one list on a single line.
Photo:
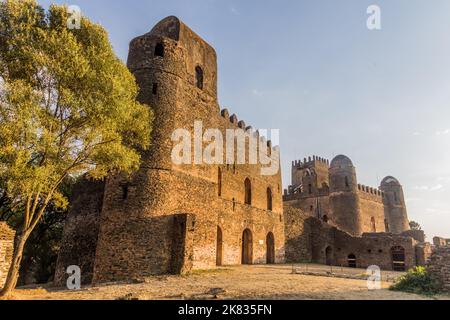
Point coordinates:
[(170, 218), (330, 218), (331, 193)]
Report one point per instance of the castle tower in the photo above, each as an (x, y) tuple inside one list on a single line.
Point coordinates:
[(167, 217), (395, 206), (344, 200), (147, 221)]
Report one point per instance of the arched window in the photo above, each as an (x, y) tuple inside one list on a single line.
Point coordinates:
[(248, 191), (269, 199), (310, 188), (219, 183), (346, 182), (373, 224), (159, 50), (124, 191), (199, 77), (386, 225)]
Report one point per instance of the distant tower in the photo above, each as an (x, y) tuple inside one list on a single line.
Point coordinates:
[(395, 207), (344, 200)]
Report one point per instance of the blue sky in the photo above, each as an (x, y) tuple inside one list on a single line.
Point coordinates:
[(314, 70)]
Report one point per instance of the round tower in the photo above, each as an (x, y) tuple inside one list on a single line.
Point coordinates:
[(344, 200), (394, 203)]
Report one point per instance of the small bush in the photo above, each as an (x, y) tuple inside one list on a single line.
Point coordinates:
[(418, 280)]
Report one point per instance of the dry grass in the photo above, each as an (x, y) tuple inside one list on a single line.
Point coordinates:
[(238, 282)]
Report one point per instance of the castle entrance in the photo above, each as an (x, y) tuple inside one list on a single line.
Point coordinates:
[(351, 259), (270, 248), (219, 248), (329, 256), (398, 258), (247, 247)]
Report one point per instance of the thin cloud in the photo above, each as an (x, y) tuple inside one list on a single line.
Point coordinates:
[(234, 11), (443, 132), (257, 93)]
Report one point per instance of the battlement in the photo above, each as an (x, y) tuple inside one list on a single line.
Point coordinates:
[(370, 190), (307, 162), (235, 123)]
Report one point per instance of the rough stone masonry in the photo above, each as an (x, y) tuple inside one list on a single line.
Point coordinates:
[(171, 218), (6, 250)]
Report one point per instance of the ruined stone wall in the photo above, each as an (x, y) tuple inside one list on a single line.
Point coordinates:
[(79, 241), (6, 250), (423, 253), (439, 266), (441, 242), (136, 232), (298, 235), (316, 206), (418, 235), (311, 240)]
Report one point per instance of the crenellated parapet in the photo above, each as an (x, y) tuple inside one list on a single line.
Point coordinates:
[(234, 123), (311, 160), (376, 193)]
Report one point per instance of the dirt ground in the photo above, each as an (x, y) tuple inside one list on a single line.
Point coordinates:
[(237, 282)]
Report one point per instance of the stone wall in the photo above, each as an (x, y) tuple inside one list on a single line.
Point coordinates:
[(423, 253), (309, 239), (439, 266), (371, 210), (441, 242), (6, 250), (79, 241)]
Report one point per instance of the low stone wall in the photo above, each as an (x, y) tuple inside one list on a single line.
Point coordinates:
[(439, 266), (6, 250)]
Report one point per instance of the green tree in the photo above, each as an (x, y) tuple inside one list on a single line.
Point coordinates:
[(67, 107)]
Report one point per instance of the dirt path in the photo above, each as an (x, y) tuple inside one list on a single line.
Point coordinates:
[(239, 282)]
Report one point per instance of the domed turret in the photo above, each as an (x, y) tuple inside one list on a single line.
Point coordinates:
[(344, 200), (395, 207)]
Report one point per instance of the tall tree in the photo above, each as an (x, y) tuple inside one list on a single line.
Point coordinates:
[(67, 107)]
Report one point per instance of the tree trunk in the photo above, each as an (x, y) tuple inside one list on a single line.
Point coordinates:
[(13, 273)]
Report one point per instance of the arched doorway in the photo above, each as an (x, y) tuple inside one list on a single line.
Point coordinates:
[(247, 247), (351, 259), (219, 248), (398, 258), (329, 256), (270, 248)]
